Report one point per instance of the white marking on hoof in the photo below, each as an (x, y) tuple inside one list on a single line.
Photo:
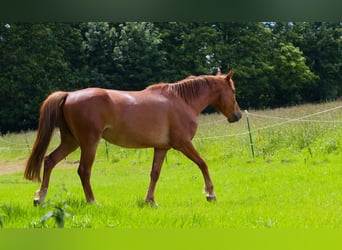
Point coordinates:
[(39, 197), (95, 203)]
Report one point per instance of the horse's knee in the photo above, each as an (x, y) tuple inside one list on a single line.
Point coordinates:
[(83, 171), (155, 175)]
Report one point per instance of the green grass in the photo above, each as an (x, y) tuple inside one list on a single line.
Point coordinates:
[(293, 182)]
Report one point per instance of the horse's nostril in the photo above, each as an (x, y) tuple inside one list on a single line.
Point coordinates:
[(239, 115), (235, 117)]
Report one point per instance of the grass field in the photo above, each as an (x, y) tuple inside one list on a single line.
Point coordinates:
[(294, 181)]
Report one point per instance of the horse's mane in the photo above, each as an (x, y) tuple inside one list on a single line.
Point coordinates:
[(187, 88)]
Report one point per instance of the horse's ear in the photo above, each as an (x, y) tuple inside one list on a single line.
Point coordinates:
[(218, 72), (229, 75)]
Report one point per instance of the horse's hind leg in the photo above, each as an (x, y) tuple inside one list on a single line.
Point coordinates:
[(88, 151), (68, 144), (158, 158)]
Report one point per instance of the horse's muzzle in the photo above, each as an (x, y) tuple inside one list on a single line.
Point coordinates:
[(236, 116)]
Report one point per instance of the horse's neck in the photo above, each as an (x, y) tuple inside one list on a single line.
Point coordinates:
[(202, 101), (198, 94)]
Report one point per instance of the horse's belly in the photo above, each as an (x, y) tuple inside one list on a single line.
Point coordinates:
[(137, 138)]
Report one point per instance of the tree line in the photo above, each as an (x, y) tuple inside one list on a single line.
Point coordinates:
[(275, 64)]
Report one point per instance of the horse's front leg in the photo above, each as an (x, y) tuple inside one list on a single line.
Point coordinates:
[(188, 149), (158, 158)]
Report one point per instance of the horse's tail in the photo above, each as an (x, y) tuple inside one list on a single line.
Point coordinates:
[(50, 115)]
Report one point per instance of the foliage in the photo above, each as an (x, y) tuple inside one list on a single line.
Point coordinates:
[(321, 45), (137, 57), (31, 65), (190, 48), (60, 209), (275, 63), (291, 76)]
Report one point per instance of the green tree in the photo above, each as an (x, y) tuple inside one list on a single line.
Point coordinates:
[(292, 78), (191, 48), (31, 65), (98, 46), (247, 48), (269, 72), (323, 49), (69, 38), (137, 57), (321, 44)]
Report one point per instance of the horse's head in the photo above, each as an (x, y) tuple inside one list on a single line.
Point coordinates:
[(226, 102)]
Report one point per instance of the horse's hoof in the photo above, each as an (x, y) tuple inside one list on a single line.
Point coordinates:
[(36, 202), (94, 202), (152, 203), (211, 198), (39, 196)]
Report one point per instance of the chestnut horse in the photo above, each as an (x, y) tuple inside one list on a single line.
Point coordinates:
[(162, 116)]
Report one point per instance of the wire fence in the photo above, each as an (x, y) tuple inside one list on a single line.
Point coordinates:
[(285, 121), (25, 145)]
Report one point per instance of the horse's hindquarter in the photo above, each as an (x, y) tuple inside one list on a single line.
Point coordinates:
[(86, 112)]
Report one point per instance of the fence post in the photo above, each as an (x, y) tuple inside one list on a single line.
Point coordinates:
[(27, 145), (107, 153), (250, 134)]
